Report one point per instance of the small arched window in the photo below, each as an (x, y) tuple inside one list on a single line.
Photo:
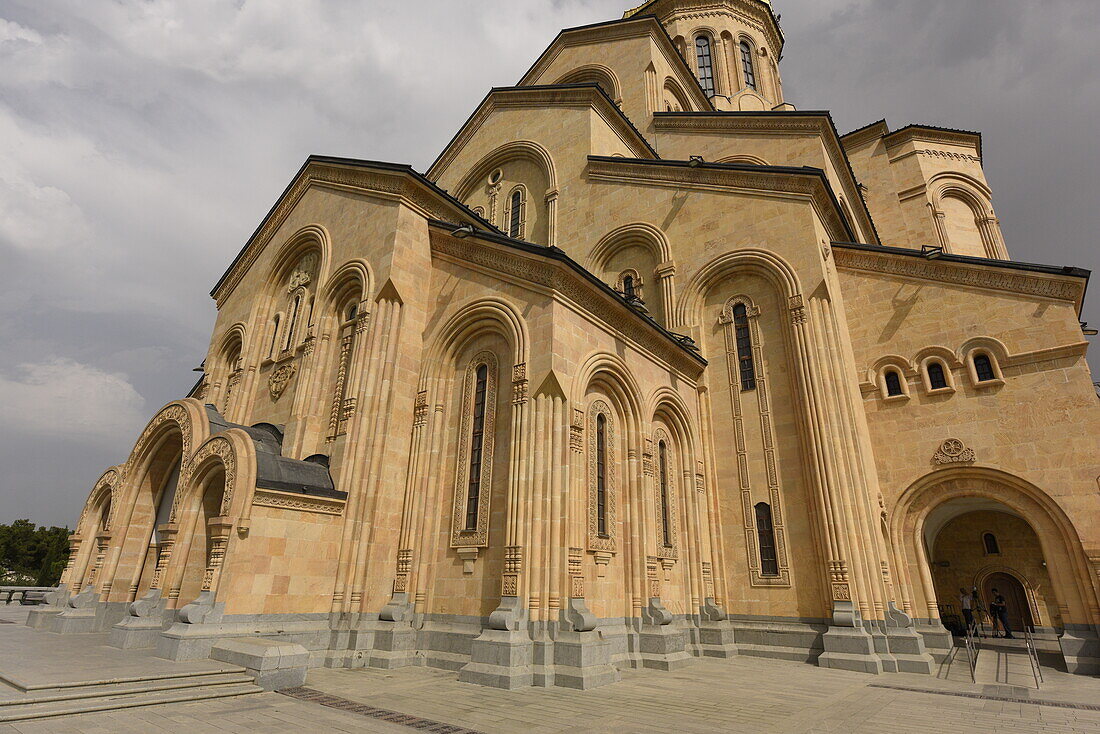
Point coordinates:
[(628, 286), (666, 519), (992, 548), (893, 384), (601, 476), (706, 64), (983, 368), (744, 347), (937, 378), (765, 534), (747, 67), (515, 215), (477, 438)]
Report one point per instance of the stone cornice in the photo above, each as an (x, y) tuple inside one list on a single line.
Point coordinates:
[(1069, 287), (818, 124), (921, 133), (807, 183), (643, 25), (299, 502), (523, 262), (567, 95), (756, 12), (384, 180), (864, 135)]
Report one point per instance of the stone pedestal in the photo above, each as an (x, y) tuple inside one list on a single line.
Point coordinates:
[(500, 659), (143, 625), (850, 648), (716, 639), (909, 652), (663, 647), (1081, 650), (395, 646), (275, 665), (39, 618), (938, 641), (582, 660)]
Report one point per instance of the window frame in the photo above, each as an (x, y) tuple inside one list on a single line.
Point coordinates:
[(769, 567), (749, 76), (996, 550), (926, 376), (996, 376), (462, 534), (516, 219), (746, 357), (605, 542), (704, 54)]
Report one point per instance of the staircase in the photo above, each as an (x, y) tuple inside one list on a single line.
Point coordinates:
[(66, 699)]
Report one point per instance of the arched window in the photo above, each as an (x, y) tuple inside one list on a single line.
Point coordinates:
[(937, 378), (893, 384), (747, 66), (477, 437), (666, 519), (744, 347), (343, 405), (628, 286), (765, 534), (706, 64), (983, 368), (515, 215), (601, 476), (292, 322), (273, 351), (992, 548)]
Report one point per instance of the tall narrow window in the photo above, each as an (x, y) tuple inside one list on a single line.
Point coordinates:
[(706, 64), (983, 368), (274, 338), (893, 384), (477, 438), (666, 520), (515, 215), (343, 406), (747, 66), (601, 476), (765, 533), (744, 347), (992, 548), (292, 322), (937, 378)]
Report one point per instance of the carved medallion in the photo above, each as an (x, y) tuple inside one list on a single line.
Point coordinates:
[(952, 451), (279, 379), (303, 273)]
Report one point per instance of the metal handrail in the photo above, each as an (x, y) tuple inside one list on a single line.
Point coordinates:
[(1033, 658), (971, 654)]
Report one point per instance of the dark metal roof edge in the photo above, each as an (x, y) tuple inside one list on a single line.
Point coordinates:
[(746, 168), (1069, 271), (556, 253)]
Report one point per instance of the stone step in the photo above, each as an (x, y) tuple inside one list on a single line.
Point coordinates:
[(112, 702), (120, 689), (216, 669)]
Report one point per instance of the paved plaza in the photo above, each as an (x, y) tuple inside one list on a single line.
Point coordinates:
[(739, 695)]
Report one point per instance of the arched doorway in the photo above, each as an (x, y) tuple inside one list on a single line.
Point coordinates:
[(1008, 586)]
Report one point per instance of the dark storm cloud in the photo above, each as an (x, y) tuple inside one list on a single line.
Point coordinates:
[(141, 142)]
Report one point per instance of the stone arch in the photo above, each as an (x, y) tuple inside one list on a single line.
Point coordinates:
[(773, 268), (674, 93), (98, 514), (492, 179), (1058, 538), (602, 76), (963, 211), (312, 237), (744, 159), (492, 313), (1028, 585), (641, 247)]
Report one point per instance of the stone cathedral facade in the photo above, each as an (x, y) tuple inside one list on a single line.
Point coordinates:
[(648, 365)]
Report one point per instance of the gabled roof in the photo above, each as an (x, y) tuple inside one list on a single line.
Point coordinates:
[(616, 29), (552, 95), (780, 122), (394, 178), (805, 180)]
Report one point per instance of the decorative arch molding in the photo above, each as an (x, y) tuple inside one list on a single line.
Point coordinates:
[(907, 367), (481, 315), (234, 452), (673, 88), (603, 544), (611, 371), (312, 236), (667, 501), (1029, 587), (598, 74), (635, 234), (689, 309), (989, 344), (106, 487), (353, 275), (462, 535), (188, 417), (1058, 538), (939, 352), (744, 159), (235, 333), (519, 149)]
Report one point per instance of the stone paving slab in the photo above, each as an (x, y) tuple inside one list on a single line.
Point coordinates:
[(31, 659)]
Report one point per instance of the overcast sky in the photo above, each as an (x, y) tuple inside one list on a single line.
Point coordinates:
[(141, 142)]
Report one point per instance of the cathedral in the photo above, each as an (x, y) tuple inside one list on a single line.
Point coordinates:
[(648, 365)]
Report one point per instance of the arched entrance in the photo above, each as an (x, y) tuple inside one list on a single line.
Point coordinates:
[(1008, 586), (1031, 530)]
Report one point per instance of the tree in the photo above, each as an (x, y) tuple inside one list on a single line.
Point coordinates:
[(32, 555)]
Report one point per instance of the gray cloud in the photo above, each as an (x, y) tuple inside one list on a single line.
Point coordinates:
[(141, 143)]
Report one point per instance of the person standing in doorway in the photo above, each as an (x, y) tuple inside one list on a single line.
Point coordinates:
[(999, 611), (966, 603)]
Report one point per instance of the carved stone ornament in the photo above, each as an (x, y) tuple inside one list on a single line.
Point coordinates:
[(303, 273), (952, 451), (279, 379)]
